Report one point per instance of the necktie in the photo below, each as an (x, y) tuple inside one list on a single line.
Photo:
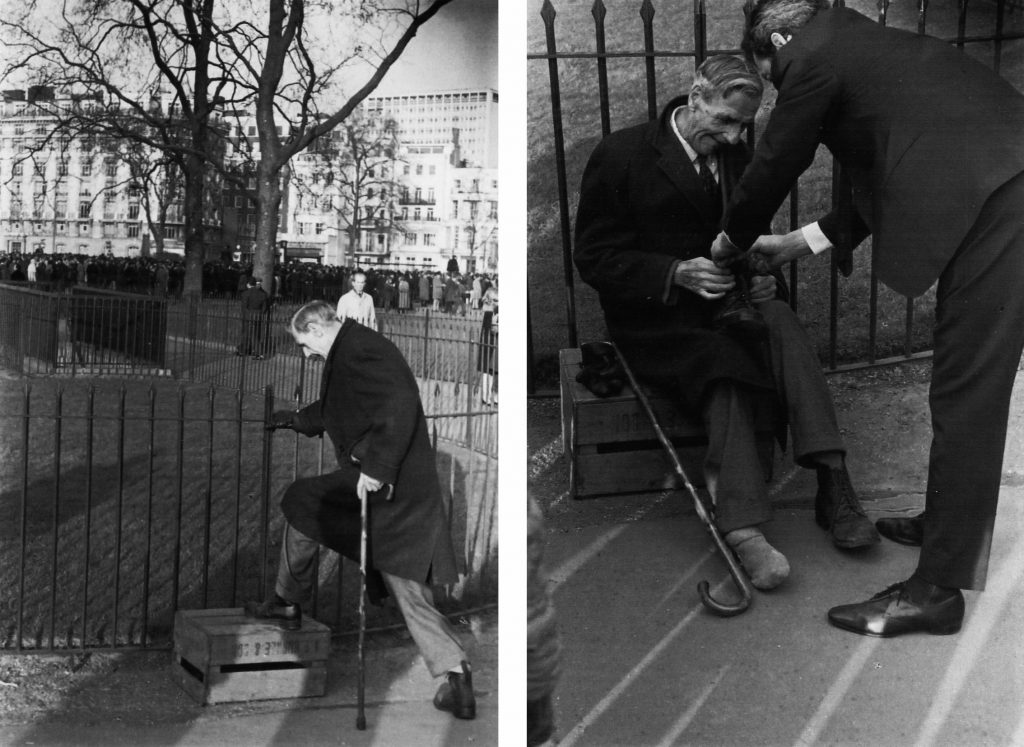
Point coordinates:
[(706, 177)]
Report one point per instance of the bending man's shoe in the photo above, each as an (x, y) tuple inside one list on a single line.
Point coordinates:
[(289, 614), (838, 511), (766, 566), (906, 531), (913, 606), (456, 694)]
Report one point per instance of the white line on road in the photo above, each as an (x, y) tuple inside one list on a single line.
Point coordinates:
[(685, 578), (545, 457), (837, 693), (971, 643), (569, 567), (683, 723), (616, 692)]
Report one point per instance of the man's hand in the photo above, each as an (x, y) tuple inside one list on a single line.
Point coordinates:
[(772, 251), (281, 419), (762, 288), (703, 277), (724, 252), (367, 485)]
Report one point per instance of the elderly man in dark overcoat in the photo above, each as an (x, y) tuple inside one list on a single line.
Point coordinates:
[(931, 143), (650, 206), (370, 408)]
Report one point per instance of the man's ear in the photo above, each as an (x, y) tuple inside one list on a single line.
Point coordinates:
[(780, 40)]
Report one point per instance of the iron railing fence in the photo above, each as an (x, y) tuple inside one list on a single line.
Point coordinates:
[(614, 65), (85, 332), (126, 501)]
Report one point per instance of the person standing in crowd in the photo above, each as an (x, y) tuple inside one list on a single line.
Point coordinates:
[(371, 410), (404, 301), (931, 142), (650, 207), (487, 356), (357, 304), (255, 305)]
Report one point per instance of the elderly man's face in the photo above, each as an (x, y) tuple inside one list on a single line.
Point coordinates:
[(358, 283), (717, 121)]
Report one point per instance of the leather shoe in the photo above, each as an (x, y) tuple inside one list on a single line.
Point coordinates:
[(738, 316), (837, 510), (913, 606), (905, 531), (288, 614), (456, 694)]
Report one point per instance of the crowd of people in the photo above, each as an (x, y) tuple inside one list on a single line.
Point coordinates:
[(293, 282)]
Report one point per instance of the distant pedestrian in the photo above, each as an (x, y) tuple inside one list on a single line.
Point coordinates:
[(255, 304)]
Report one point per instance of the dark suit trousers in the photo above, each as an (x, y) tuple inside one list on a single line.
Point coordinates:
[(979, 336), (732, 469)]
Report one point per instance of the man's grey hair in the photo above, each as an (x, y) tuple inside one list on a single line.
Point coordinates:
[(725, 74), (314, 311), (766, 17)]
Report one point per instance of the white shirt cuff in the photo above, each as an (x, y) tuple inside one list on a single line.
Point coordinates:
[(815, 239)]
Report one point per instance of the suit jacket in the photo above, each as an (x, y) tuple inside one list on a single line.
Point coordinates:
[(370, 408), (642, 207), (924, 133)]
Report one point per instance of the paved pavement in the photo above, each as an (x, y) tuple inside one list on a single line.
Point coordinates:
[(132, 700), (645, 664)]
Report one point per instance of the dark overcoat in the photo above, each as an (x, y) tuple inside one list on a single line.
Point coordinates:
[(643, 207), (370, 408), (924, 133)]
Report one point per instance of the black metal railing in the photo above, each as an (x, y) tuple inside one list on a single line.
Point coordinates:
[(622, 81), (126, 501), (84, 332)]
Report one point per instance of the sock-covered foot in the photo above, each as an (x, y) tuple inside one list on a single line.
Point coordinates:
[(766, 566)]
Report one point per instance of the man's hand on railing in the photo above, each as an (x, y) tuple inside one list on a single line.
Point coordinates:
[(281, 419)]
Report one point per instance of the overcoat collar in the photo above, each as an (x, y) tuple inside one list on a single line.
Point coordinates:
[(329, 362), (675, 163)]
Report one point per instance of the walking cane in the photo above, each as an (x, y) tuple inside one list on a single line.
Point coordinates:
[(738, 576), (361, 686)]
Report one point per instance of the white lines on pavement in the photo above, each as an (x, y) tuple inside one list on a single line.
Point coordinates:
[(545, 457), (683, 723), (616, 692), (565, 570), (971, 643), (837, 693), (684, 579)]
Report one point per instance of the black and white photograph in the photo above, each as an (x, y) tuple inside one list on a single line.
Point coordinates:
[(775, 255), (249, 315)]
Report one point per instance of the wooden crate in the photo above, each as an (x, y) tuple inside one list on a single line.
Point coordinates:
[(221, 656), (612, 448)]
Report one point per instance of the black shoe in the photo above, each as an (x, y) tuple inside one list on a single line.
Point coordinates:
[(913, 606), (837, 510), (737, 316), (456, 694), (289, 614), (906, 531)]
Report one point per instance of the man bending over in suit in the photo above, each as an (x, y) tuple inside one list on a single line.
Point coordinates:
[(650, 206), (935, 158)]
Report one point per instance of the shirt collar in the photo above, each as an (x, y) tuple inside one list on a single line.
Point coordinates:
[(693, 155)]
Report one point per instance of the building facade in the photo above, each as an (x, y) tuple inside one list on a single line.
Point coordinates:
[(86, 194)]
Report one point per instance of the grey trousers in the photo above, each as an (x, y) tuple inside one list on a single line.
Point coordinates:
[(732, 469), (437, 641)]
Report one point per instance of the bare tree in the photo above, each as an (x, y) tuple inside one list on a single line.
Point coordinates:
[(198, 58), (295, 92)]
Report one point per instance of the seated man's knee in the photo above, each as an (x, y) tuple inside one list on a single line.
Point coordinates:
[(779, 314)]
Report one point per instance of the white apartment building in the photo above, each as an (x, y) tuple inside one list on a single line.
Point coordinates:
[(62, 194), (428, 119)]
